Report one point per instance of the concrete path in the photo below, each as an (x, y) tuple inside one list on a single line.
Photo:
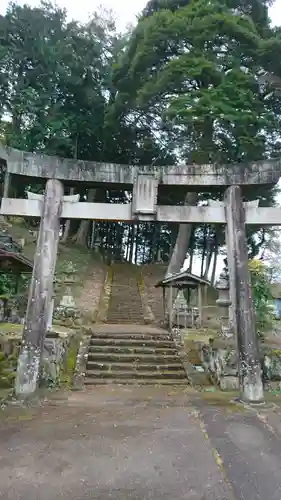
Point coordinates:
[(137, 443), (248, 448)]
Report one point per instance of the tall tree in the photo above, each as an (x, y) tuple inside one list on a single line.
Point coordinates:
[(190, 71)]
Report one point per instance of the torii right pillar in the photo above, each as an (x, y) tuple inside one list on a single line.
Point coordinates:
[(250, 373)]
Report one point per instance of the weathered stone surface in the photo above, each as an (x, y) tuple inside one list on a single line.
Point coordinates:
[(41, 291), (241, 297), (264, 216), (221, 362), (54, 358), (35, 165), (145, 196), (81, 363), (272, 365), (229, 383), (59, 344)]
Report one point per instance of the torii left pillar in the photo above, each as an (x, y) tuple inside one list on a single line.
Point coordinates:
[(40, 292)]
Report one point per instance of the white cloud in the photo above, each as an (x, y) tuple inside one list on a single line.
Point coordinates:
[(275, 13), (126, 11)]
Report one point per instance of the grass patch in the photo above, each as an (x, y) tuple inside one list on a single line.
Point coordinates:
[(12, 328)]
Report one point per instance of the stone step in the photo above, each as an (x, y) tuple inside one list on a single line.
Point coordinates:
[(132, 335), (116, 309), (151, 358), (140, 374), (131, 342), (125, 291), (136, 382), (134, 300), (108, 350), (125, 305), (129, 307), (125, 321), (127, 310), (124, 314), (135, 367)]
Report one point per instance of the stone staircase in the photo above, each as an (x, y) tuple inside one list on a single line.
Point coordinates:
[(133, 354), (125, 304)]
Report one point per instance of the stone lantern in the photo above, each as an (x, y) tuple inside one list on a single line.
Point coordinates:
[(67, 304), (223, 302)]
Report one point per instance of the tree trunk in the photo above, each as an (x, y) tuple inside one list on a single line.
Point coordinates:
[(182, 242), (203, 251), (209, 254), (67, 224), (82, 234), (93, 235), (137, 242), (132, 239), (191, 249), (202, 262), (191, 260), (216, 252), (118, 242)]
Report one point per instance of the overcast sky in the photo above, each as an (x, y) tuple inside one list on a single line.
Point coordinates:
[(125, 10)]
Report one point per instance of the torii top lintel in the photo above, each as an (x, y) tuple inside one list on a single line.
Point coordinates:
[(65, 169)]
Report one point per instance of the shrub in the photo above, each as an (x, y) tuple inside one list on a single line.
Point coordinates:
[(260, 280)]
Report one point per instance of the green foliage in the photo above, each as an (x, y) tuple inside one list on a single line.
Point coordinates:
[(191, 71), (262, 296), (7, 370), (7, 284), (194, 69)]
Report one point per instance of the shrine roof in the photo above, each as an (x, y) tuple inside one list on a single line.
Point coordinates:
[(12, 262), (183, 279)]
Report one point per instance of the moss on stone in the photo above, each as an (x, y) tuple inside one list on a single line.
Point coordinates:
[(10, 328), (273, 351), (68, 370), (201, 335), (7, 370)]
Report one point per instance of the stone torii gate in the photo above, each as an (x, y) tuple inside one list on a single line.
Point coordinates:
[(146, 182)]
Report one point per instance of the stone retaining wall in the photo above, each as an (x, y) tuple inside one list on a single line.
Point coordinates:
[(219, 358), (59, 356)]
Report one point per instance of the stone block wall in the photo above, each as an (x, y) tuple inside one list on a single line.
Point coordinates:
[(219, 359), (59, 356), (9, 350)]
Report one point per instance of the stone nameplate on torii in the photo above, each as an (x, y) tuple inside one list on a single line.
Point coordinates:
[(144, 205)]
